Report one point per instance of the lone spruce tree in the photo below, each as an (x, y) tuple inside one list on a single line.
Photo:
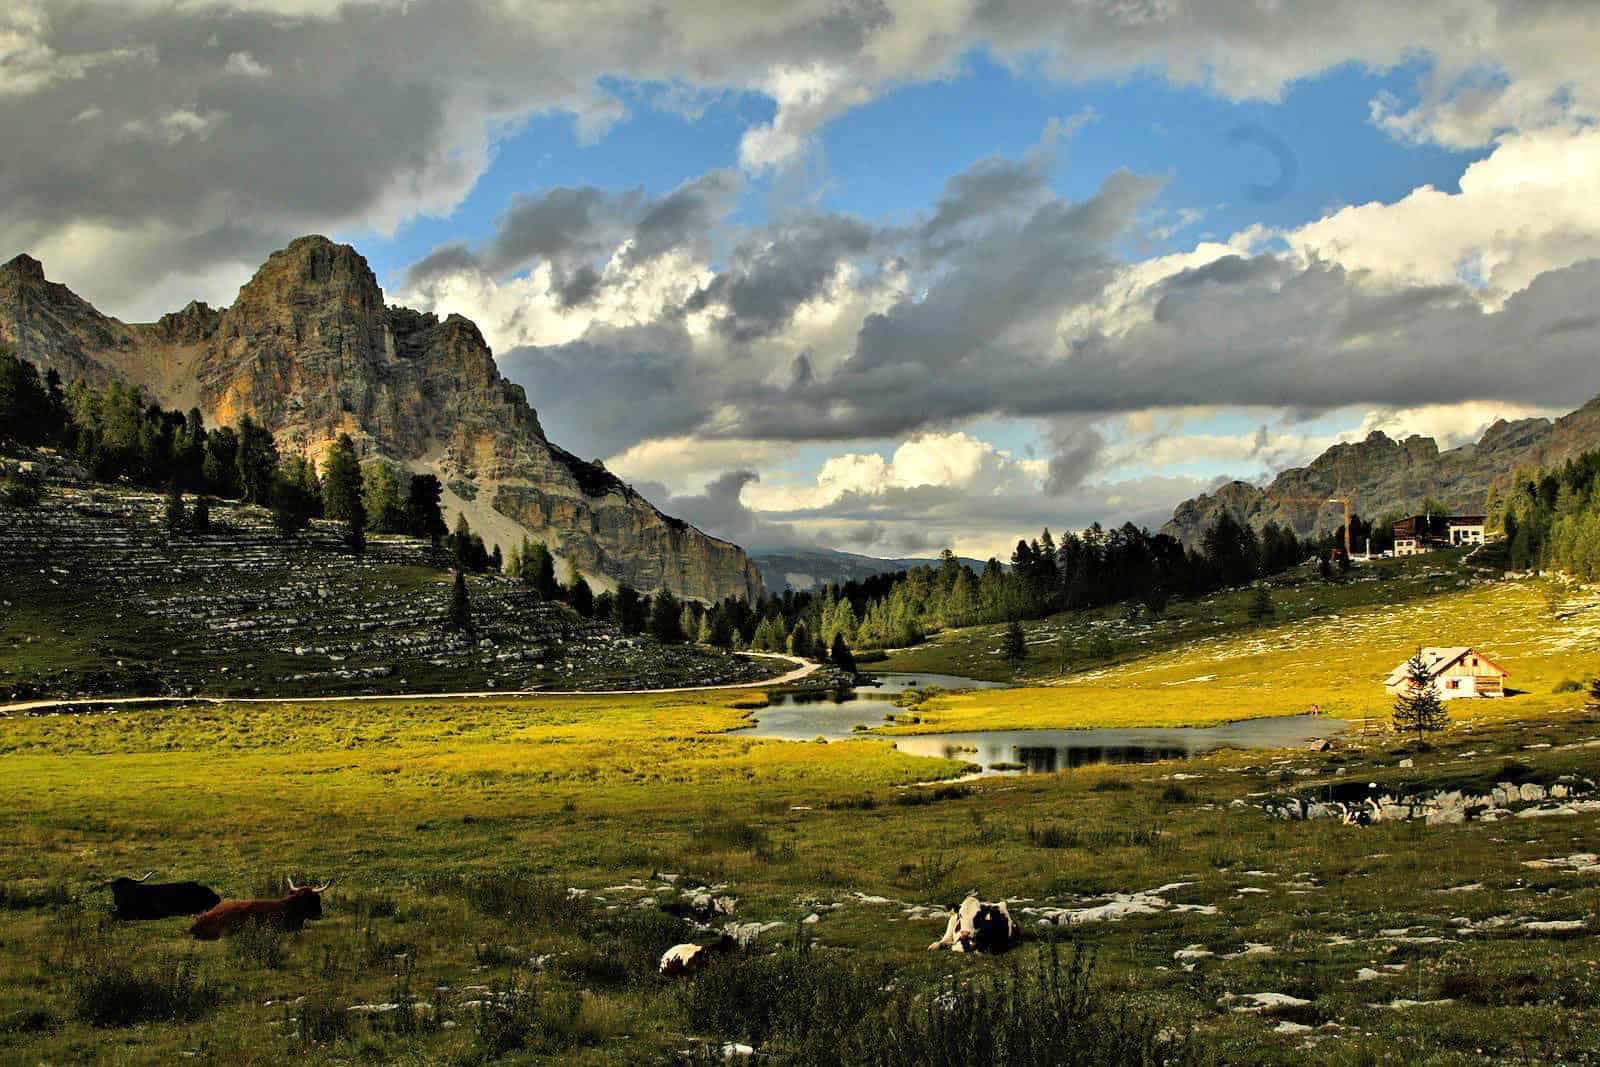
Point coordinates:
[(840, 655), (1418, 708), (1594, 696), (1015, 643), (1261, 606), (175, 517), (460, 606)]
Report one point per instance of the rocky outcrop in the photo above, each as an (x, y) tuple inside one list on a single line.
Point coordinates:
[(310, 350), (1383, 475)]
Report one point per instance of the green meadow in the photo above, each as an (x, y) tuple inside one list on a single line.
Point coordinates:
[(455, 833)]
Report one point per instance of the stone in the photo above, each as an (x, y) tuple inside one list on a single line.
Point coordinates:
[(407, 386)]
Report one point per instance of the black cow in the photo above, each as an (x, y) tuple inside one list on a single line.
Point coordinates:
[(137, 898)]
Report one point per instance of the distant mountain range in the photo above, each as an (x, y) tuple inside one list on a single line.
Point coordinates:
[(1383, 475), (803, 569)]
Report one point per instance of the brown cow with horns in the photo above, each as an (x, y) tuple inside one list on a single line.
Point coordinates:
[(288, 913)]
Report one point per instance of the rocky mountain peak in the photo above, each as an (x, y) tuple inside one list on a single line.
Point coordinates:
[(311, 351), (25, 267), (312, 270), (1383, 475)]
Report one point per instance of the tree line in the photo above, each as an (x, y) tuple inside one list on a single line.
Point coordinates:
[(114, 432), (1550, 518)]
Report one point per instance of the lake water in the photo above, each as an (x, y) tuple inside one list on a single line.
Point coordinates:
[(835, 715)]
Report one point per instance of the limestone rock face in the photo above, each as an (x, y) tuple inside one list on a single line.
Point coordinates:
[(1381, 475), (310, 350)]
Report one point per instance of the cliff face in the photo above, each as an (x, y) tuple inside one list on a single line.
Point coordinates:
[(1381, 475), (310, 350)]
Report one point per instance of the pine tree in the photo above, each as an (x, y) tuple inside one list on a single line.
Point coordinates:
[(1418, 707), (1015, 643), (703, 634), (461, 543), (342, 486), (1261, 606), (1594, 695), (581, 597), (840, 655), (800, 641), (721, 629), (460, 605), (664, 618), (200, 516), (174, 517), (423, 517)]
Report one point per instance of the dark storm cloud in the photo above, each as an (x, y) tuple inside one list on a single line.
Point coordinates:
[(719, 511)]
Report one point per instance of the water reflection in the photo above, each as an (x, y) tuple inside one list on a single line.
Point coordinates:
[(834, 715)]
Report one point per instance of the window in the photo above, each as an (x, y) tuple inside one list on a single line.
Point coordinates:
[(1453, 683)]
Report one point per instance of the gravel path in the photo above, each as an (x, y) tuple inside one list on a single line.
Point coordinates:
[(802, 669)]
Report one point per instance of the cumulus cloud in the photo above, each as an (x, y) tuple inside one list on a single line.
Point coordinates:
[(319, 137)]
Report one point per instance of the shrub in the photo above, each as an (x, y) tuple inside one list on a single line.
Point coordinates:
[(1051, 835), (257, 944), (1568, 685), (520, 897), (1111, 785), (109, 991), (22, 490), (914, 797), (519, 1017), (793, 997), (321, 1020), (929, 875), (17, 896), (1177, 794), (807, 1009), (1049, 1014), (743, 836)]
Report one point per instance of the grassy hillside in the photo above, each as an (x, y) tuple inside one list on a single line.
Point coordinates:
[(100, 599), (1207, 663)]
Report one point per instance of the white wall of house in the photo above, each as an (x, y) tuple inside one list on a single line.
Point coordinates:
[(1466, 535)]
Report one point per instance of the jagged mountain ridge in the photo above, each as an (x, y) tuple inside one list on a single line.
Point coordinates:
[(804, 569), (1381, 475), (311, 350)]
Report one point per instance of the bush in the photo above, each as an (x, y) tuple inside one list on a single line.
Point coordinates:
[(914, 797), (930, 875), (518, 896), (624, 947), (108, 991), (22, 490), (1568, 685), (808, 1009), (1051, 836), (16, 896), (257, 944), (1177, 794), (1049, 1014), (519, 1017), (1111, 785), (321, 1020), (795, 997)]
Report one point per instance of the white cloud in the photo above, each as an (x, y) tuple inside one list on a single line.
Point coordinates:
[(1532, 205), (245, 65)]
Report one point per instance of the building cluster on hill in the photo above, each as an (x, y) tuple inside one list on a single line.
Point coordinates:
[(1417, 534)]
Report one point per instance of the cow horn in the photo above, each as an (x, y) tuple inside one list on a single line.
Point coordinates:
[(146, 878), (290, 880), (323, 888)]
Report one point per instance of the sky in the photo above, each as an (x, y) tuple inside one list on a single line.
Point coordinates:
[(881, 276)]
